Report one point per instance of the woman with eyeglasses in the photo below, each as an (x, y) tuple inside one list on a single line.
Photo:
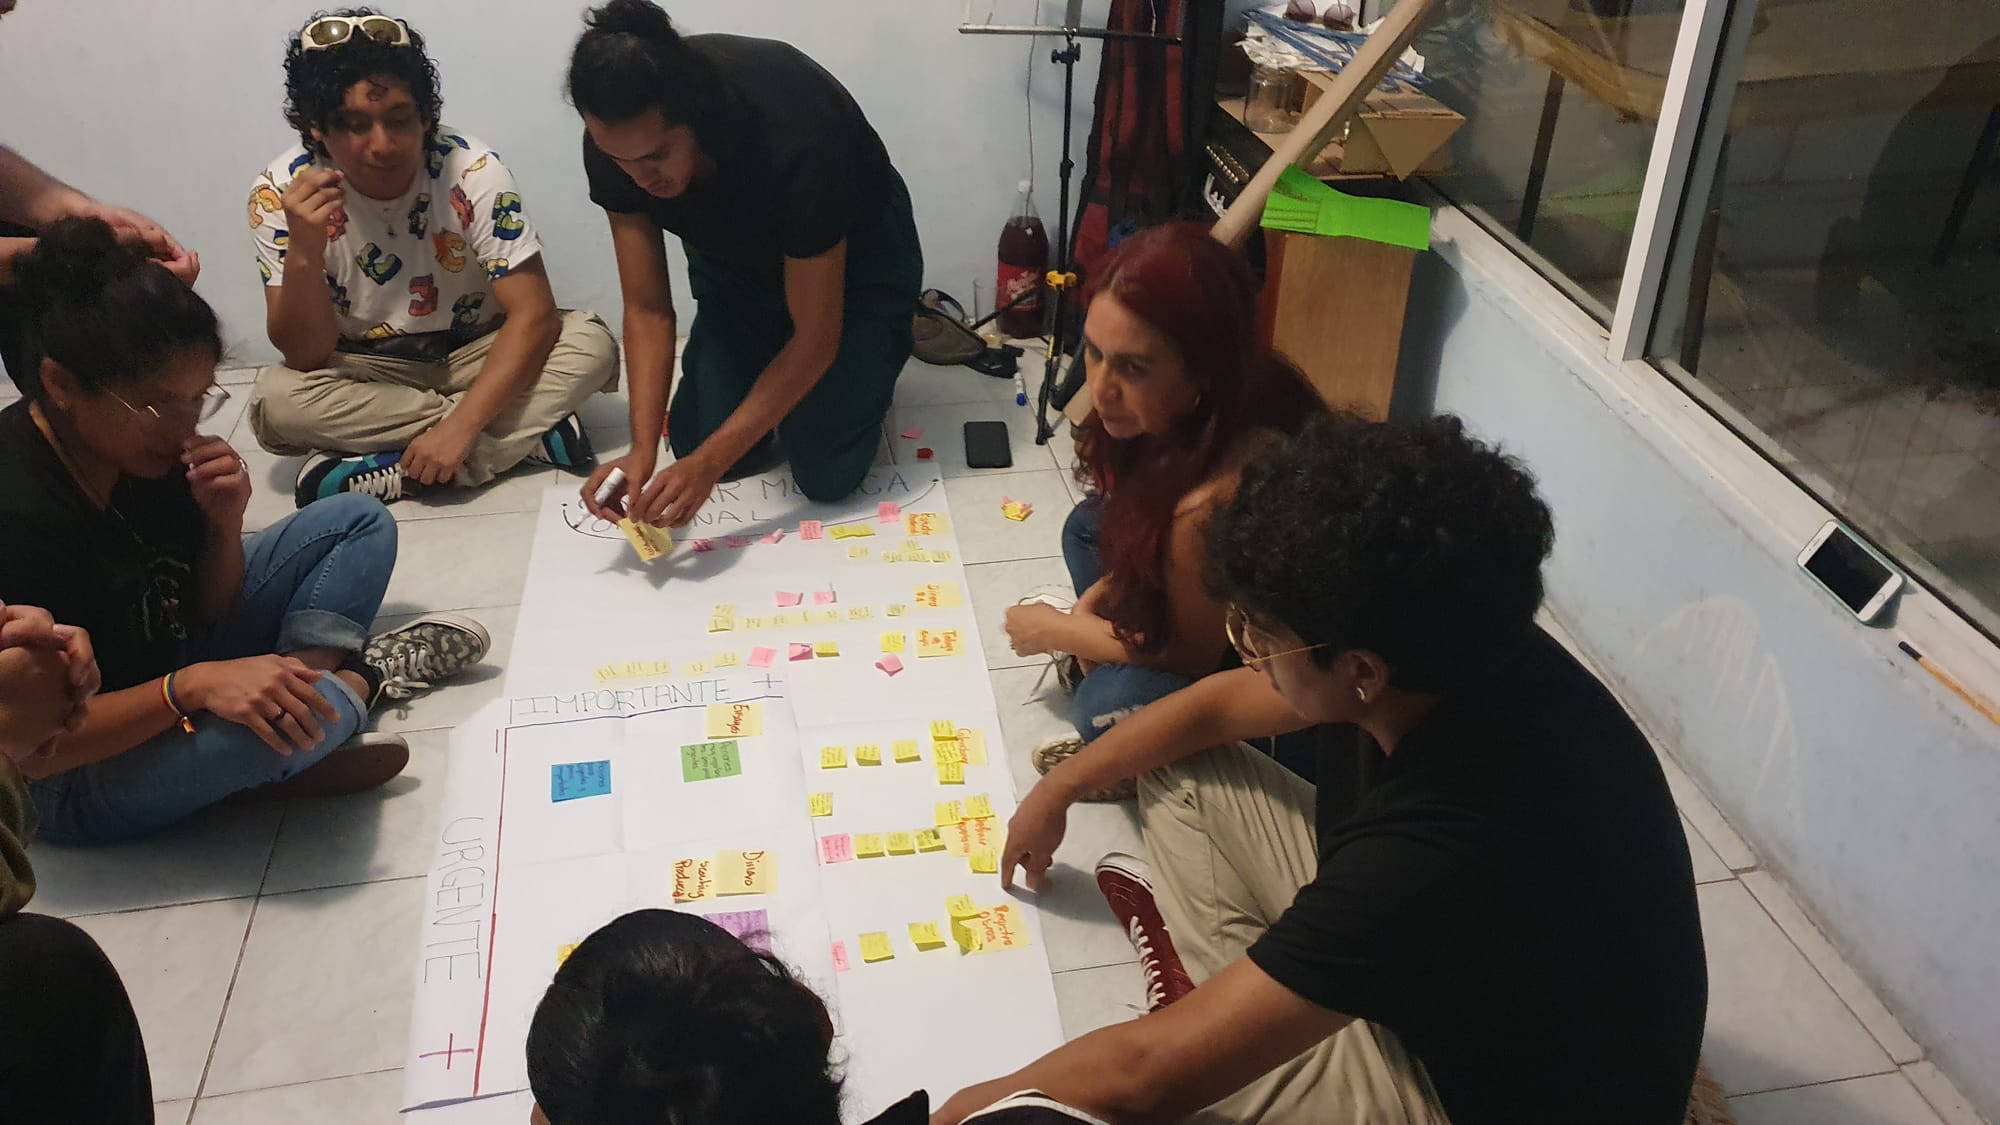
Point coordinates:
[(229, 663), (1182, 393)]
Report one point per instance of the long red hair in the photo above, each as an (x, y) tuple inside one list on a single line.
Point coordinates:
[(1201, 296)]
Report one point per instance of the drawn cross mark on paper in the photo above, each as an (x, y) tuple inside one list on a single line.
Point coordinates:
[(450, 1048)]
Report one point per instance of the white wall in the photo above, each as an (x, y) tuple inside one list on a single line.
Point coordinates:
[(1839, 760), (172, 108)]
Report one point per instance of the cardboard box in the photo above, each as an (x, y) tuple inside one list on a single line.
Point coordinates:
[(1400, 134)]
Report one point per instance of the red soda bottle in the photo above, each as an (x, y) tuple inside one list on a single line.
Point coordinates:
[(1024, 258)]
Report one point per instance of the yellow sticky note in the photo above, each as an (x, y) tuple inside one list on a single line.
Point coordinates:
[(940, 556), (735, 720), (875, 947), (721, 624), (892, 642), (697, 668), (901, 843), (821, 804), (951, 773), (946, 750), (974, 744), (984, 861), (647, 541), (724, 609), (913, 549), (833, 757), (906, 750), (943, 728), (961, 906), (938, 595), (563, 952), (897, 609), (750, 623), (965, 931), (978, 807), (924, 935), (868, 845), (861, 613), (949, 813), (939, 642), (745, 873), (857, 552), (868, 754), (728, 660), (826, 648), (851, 531), (927, 523), (928, 840), (694, 879), (1002, 927)]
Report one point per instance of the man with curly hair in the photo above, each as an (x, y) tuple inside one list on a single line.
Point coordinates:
[(1486, 912), (404, 285)]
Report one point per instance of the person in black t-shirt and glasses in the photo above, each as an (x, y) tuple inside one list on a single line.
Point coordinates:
[(802, 254), (1490, 917), (229, 663)]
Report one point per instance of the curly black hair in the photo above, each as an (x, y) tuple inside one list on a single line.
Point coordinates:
[(316, 82), (1414, 541)]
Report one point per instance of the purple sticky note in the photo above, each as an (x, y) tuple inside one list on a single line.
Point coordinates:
[(703, 546), (825, 597), (800, 651), (734, 541), (787, 599), (811, 529), (751, 927), (840, 964), (760, 657), (836, 849), (775, 536), (890, 664), (888, 511)]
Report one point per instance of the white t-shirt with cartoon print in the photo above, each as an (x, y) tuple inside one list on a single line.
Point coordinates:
[(423, 263)]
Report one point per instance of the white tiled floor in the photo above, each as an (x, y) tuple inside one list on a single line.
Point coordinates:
[(267, 948)]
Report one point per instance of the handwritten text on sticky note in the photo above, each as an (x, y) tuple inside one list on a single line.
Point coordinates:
[(570, 780), (735, 720), (706, 761)]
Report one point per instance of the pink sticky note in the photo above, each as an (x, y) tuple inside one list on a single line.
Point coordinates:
[(836, 849), (811, 529), (775, 536), (825, 597), (761, 657), (888, 511), (734, 541), (840, 964), (890, 664), (913, 432), (703, 546), (801, 651), (788, 599)]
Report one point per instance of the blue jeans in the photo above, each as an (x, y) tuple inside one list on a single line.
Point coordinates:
[(1111, 691), (314, 580)]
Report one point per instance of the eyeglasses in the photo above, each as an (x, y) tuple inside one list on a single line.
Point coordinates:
[(1236, 624), (199, 410), (332, 31)]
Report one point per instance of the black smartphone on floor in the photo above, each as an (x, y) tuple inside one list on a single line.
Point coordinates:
[(987, 447)]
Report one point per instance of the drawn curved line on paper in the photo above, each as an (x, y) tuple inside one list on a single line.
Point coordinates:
[(905, 504), (583, 523)]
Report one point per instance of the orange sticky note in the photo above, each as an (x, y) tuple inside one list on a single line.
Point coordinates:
[(745, 873)]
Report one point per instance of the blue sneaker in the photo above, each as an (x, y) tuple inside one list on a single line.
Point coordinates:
[(329, 474), (565, 446)]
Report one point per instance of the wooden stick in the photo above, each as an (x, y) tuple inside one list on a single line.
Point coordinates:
[(1327, 117)]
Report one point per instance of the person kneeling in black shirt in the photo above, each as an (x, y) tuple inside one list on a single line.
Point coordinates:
[(1490, 915)]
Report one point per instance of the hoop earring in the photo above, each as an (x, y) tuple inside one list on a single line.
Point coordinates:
[(1360, 693)]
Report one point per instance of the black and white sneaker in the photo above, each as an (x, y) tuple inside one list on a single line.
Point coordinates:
[(329, 474), (565, 446), (427, 651)]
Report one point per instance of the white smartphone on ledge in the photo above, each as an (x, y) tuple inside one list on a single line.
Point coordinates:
[(1852, 571)]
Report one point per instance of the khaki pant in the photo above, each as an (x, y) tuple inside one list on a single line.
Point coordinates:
[(366, 403), (1232, 841)]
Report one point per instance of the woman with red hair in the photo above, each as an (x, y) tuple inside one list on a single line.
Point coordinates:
[(1182, 393)]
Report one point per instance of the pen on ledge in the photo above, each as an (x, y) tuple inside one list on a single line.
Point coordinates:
[(1943, 677), (1020, 390)]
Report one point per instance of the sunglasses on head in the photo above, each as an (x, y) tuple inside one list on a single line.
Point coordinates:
[(332, 31)]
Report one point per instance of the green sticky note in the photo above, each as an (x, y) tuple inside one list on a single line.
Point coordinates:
[(1302, 203), (706, 761)]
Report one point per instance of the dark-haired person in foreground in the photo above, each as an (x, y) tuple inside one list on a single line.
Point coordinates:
[(230, 663), (661, 1016), (802, 255), (404, 285), (1489, 917)]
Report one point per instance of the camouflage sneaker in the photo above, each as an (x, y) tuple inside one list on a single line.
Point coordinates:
[(430, 649)]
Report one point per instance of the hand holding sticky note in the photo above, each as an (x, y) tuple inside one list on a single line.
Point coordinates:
[(648, 542)]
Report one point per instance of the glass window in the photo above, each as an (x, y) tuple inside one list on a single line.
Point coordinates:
[(1834, 290), (1561, 99)]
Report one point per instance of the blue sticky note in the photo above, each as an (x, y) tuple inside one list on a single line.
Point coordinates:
[(570, 780)]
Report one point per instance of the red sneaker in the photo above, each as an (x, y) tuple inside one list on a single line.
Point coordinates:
[(1127, 884)]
